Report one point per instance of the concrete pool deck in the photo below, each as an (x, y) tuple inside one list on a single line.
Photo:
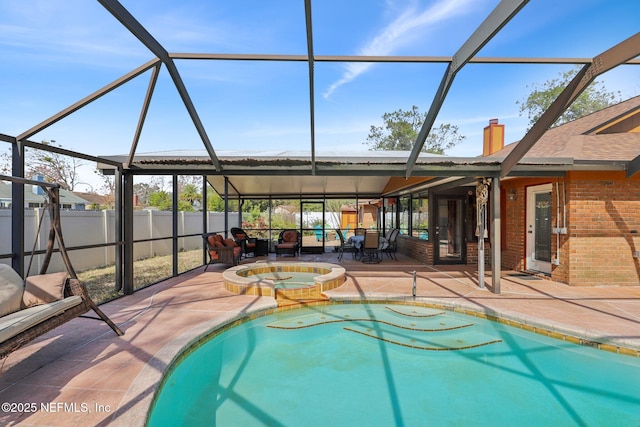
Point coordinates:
[(82, 373)]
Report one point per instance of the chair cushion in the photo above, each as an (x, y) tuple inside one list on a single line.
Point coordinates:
[(290, 236), (43, 289), (212, 239), (11, 290), (230, 242), (287, 245), (20, 321)]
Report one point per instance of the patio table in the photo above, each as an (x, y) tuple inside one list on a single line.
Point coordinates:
[(357, 241)]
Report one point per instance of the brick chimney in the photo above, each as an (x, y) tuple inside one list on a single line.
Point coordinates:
[(493, 138)]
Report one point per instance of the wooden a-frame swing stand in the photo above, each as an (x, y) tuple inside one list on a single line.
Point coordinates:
[(73, 285)]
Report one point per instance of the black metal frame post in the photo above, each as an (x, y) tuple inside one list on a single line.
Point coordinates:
[(17, 208), (127, 231)]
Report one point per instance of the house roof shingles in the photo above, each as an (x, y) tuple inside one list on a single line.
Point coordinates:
[(578, 139)]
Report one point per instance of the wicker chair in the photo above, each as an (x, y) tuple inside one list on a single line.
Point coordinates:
[(288, 242), (221, 251), (248, 244)]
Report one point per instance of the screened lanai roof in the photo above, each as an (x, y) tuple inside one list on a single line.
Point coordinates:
[(280, 95)]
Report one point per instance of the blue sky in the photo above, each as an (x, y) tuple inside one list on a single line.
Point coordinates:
[(56, 53)]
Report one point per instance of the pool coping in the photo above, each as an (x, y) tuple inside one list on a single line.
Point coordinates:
[(151, 378), (247, 285)]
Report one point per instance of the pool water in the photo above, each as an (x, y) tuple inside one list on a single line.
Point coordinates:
[(395, 365), (287, 279)]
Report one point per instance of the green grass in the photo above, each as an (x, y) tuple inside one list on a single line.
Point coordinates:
[(101, 282)]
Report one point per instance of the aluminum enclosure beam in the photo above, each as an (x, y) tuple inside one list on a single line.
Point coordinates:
[(380, 59), (611, 58), (312, 102), (634, 167), (497, 19), (143, 113), (141, 33), (87, 100), (63, 151)]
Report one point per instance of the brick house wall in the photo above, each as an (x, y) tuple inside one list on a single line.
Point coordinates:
[(415, 248), (603, 213), (603, 222), (423, 250)]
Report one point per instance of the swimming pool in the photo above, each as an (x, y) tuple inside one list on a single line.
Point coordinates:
[(358, 364)]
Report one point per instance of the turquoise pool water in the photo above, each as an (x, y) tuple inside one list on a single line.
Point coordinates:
[(395, 365), (287, 279)]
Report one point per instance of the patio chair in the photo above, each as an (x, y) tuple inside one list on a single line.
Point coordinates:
[(370, 247), (248, 244), (288, 242), (392, 248), (221, 251), (317, 230), (344, 246)]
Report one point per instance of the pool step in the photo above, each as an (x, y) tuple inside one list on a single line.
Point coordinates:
[(291, 300), (431, 342), (412, 327)]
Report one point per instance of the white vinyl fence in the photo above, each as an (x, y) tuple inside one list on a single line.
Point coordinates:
[(80, 228)]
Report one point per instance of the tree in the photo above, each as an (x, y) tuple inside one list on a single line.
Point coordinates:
[(53, 167), (5, 162), (161, 200), (401, 129), (215, 203), (108, 189), (188, 197), (143, 190), (594, 98)]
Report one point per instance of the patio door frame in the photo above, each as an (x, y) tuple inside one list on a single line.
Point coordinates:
[(531, 234), (461, 240), (310, 230)]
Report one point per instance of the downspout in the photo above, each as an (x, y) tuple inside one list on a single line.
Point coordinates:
[(557, 260), (564, 208)]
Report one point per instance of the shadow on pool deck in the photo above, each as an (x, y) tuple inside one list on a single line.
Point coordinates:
[(84, 374)]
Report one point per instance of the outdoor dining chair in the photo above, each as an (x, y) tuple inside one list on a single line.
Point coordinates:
[(349, 247), (370, 247), (392, 247)]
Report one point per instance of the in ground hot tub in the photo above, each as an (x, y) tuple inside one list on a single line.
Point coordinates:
[(287, 280)]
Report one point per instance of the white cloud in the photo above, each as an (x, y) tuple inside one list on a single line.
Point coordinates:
[(399, 33)]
